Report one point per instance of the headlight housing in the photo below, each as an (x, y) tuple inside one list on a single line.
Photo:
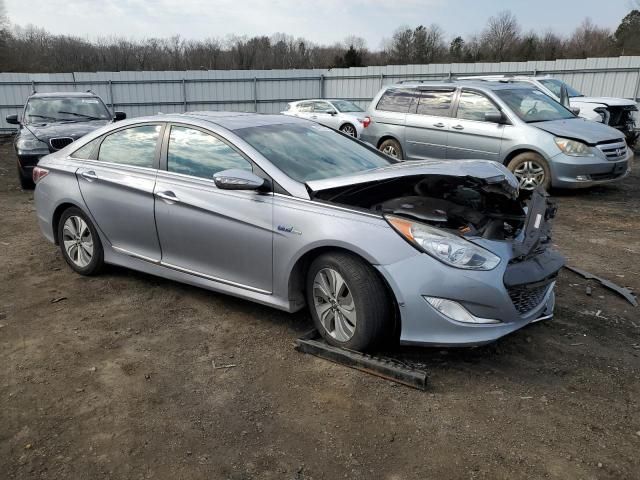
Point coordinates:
[(27, 142), (573, 148), (448, 248)]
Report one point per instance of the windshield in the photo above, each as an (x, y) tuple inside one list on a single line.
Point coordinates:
[(60, 109), (532, 105), (556, 85), (346, 106), (311, 152)]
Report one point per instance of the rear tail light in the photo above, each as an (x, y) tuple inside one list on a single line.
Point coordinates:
[(366, 122), (39, 173)]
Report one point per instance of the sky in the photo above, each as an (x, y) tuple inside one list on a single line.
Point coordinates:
[(321, 21)]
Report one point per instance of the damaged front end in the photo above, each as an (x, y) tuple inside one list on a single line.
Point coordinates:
[(467, 215)]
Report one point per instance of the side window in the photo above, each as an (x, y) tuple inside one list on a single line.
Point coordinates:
[(396, 100), (437, 103), (473, 106), (86, 152), (322, 107), (195, 153), (132, 146), (305, 107)]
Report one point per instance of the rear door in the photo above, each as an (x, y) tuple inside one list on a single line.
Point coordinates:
[(304, 110), (427, 123), (117, 187), (221, 235), (470, 135)]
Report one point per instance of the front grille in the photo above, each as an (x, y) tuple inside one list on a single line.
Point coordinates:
[(60, 142), (614, 151), (528, 296)]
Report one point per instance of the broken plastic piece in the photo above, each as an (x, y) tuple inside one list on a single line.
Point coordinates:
[(624, 292)]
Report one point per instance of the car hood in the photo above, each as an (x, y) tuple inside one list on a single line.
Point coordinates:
[(75, 130), (580, 129), (608, 101), (493, 176)]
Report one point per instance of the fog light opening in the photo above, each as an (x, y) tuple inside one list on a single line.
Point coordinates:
[(457, 312), (583, 178)]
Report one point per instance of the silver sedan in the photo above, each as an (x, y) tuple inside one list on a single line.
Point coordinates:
[(288, 213)]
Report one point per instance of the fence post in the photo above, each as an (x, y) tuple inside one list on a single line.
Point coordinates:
[(321, 86), (184, 94), (637, 92), (33, 86), (381, 80), (255, 94), (111, 96)]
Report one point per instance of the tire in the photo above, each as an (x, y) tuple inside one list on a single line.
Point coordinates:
[(359, 315), (76, 227), (531, 170), (392, 148), (26, 183), (349, 129)]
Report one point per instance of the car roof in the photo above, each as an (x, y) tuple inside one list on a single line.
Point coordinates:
[(229, 120), (63, 95), (481, 84)]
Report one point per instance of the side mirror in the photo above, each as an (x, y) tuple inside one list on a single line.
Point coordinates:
[(237, 179), (564, 96), (12, 119), (494, 117), (119, 116), (332, 113), (575, 110)]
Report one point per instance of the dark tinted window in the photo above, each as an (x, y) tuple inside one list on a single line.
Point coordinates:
[(311, 152), (396, 100), (195, 153), (133, 146), (434, 102), (473, 106), (86, 151)]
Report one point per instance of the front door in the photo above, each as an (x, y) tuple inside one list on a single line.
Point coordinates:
[(427, 124), (118, 189), (222, 235), (324, 113), (470, 135)]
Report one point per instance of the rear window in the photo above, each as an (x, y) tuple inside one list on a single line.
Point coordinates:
[(396, 100)]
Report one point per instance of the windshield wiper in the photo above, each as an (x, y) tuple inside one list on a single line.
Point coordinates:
[(31, 115), (89, 117)]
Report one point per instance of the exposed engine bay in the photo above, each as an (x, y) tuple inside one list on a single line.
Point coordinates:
[(470, 206)]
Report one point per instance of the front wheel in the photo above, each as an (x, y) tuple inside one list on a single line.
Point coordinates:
[(531, 170), (349, 303), (349, 129), (79, 242)]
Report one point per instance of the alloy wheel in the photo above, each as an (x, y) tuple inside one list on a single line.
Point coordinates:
[(334, 304), (391, 151), (530, 175), (349, 130), (77, 241)]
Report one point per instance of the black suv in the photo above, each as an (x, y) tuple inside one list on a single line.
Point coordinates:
[(51, 121)]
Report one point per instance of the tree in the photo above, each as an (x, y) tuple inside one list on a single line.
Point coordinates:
[(588, 40), (500, 36), (627, 35), (456, 49), (401, 48)]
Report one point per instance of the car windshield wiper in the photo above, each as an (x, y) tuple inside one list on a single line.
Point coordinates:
[(44, 116), (89, 117)]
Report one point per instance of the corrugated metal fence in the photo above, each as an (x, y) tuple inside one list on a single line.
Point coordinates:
[(268, 91)]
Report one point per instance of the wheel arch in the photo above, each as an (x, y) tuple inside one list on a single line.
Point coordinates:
[(57, 214), (350, 123), (297, 279), (385, 138), (520, 150)]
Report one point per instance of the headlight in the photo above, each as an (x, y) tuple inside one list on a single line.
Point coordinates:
[(446, 247), (573, 147), (28, 142)]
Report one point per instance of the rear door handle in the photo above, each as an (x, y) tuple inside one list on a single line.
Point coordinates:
[(90, 175), (169, 197), (458, 127), (438, 125)]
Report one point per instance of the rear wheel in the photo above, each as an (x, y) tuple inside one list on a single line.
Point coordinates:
[(349, 303), (392, 148), (349, 130), (531, 170), (80, 243)]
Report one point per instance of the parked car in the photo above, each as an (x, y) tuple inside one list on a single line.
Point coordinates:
[(541, 142), (341, 115), (619, 113), (51, 121), (432, 252)]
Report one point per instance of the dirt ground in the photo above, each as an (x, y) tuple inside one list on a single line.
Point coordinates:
[(113, 376)]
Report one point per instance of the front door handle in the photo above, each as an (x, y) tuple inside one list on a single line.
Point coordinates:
[(169, 197), (90, 175), (458, 127), (438, 125)]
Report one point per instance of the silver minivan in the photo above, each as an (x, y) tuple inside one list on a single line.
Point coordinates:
[(537, 138)]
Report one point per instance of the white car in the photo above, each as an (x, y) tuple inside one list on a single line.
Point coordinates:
[(338, 114), (619, 113)]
